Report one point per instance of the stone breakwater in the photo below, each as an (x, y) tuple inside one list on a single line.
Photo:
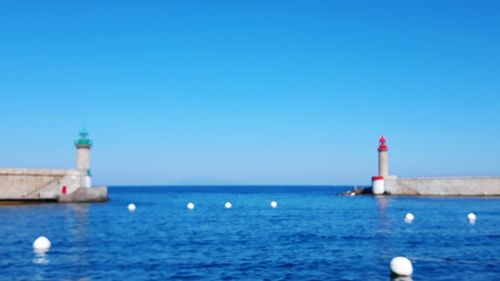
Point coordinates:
[(20, 184), (445, 186), (72, 185), (384, 183)]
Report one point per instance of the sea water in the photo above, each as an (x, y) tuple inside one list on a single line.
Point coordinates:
[(314, 234)]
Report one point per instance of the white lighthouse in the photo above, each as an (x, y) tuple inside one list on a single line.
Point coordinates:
[(83, 145), (383, 162), (378, 186)]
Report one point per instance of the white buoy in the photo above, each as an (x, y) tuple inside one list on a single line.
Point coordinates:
[(401, 266), (228, 205), (378, 186), (131, 207), (190, 205), (471, 217), (409, 218), (42, 243), (274, 204)]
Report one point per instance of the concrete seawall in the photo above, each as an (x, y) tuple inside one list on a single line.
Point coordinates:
[(445, 186), (43, 184)]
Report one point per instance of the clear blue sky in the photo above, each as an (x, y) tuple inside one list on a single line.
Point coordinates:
[(251, 92)]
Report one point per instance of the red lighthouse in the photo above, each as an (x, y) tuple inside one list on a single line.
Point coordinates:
[(383, 162)]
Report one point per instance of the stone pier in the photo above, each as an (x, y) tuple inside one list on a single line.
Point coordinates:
[(444, 186), (58, 185), (430, 186)]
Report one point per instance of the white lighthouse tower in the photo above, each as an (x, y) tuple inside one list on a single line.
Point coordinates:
[(83, 145), (383, 161), (383, 167)]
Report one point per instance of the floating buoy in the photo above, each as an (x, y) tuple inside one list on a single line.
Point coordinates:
[(190, 206), (131, 207), (401, 266), (228, 205), (409, 217), (42, 243), (472, 217), (274, 204)]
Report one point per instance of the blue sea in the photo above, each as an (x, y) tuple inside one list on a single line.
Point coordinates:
[(314, 234)]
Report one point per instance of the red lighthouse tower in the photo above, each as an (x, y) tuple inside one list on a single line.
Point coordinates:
[(383, 161)]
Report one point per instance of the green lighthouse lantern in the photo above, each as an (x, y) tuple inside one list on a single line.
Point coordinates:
[(83, 141)]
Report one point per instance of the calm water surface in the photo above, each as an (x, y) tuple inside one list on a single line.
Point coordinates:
[(314, 234)]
